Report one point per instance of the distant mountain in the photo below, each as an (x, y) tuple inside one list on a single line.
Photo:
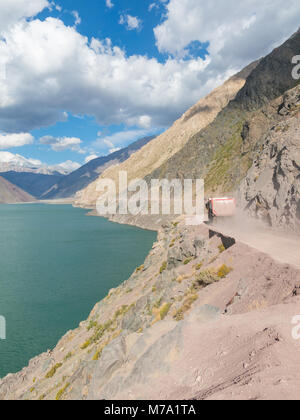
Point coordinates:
[(17, 163), (82, 177), (34, 184), (10, 194)]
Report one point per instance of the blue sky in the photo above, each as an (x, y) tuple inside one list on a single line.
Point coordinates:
[(80, 79), (101, 22)]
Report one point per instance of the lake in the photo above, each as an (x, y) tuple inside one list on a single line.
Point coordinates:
[(55, 265)]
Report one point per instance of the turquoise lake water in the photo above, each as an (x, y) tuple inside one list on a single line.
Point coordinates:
[(55, 265)]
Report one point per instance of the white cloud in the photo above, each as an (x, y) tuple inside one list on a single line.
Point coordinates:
[(109, 4), (89, 158), (11, 11), (76, 17), (59, 144), (130, 22), (8, 141), (52, 70), (237, 32)]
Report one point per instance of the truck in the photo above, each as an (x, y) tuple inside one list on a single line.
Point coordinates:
[(220, 208)]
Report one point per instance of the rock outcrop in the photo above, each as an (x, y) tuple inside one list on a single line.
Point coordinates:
[(271, 189)]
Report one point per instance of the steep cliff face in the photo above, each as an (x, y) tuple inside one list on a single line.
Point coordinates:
[(271, 189), (162, 148), (10, 194), (205, 317)]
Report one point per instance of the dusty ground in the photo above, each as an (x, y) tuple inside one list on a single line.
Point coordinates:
[(283, 247)]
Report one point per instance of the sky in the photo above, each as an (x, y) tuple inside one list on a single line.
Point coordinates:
[(80, 79)]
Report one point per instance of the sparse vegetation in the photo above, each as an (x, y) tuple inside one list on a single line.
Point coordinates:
[(141, 268), (68, 356), (199, 266), (187, 304), (206, 277), (187, 261), (223, 271), (86, 345), (163, 267), (61, 392), (53, 370), (91, 325), (221, 248), (165, 310)]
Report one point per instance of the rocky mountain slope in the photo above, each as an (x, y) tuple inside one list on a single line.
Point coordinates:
[(205, 317), (223, 152), (10, 194), (79, 179), (160, 150), (33, 183)]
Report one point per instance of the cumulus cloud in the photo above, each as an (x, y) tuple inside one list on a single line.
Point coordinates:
[(83, 77), (40, 84), (8, 141), (237, 32), (59, 144), (12, 11), (130, 22)]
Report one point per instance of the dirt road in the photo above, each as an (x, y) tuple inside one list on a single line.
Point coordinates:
[(282, 247)]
